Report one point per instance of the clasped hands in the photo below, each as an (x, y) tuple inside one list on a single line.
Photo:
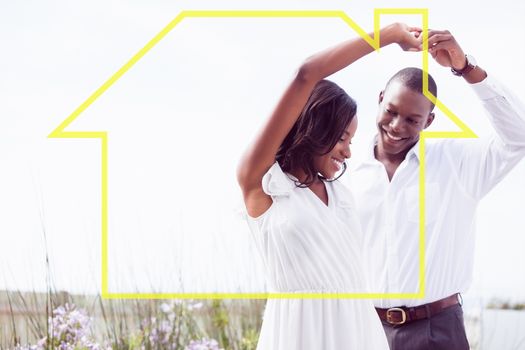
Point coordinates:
[(442, 45)]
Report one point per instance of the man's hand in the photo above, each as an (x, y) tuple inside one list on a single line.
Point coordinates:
[(445, 49)]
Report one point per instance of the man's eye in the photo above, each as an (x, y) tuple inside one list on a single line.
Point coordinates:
[(391, 112)]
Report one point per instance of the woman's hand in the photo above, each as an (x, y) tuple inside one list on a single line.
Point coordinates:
[(408, 38)]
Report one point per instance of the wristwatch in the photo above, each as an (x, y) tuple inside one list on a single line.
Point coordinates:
[(471, 64)]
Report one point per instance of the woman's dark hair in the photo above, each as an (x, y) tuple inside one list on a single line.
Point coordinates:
[(323, 120)]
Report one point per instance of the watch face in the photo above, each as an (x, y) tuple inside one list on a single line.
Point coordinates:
[(471, 61)]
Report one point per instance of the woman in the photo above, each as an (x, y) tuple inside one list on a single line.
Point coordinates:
[(305, 223)]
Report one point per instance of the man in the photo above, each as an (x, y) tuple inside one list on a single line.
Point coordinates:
[(459, 172)]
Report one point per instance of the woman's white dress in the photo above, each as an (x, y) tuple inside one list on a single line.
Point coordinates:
[(308, 246)]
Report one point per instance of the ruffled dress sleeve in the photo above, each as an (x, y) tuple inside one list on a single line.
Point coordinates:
[(276, 183)]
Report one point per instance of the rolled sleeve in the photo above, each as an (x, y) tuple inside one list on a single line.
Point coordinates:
[(505, 111)]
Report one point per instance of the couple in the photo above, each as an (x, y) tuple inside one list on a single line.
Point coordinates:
[(314, 238)]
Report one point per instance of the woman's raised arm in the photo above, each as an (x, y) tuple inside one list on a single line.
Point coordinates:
[(260, 155)]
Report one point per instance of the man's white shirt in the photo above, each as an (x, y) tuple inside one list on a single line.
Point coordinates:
[(459, 172)]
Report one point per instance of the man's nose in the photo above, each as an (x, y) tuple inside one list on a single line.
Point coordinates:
[(395, 123)]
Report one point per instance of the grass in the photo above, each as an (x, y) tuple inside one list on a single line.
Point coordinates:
[(132, 324)]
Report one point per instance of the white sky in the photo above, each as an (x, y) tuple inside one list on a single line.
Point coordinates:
[(177, 123)]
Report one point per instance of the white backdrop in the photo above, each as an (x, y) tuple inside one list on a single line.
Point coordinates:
[(177, 124)]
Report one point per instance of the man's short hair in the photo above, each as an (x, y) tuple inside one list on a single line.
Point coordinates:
[(412, 78)]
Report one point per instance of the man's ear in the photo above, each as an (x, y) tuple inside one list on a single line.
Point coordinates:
[(430, 119), (381, 95)]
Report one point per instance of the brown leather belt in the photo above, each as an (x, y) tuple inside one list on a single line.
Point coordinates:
[(401, 315)]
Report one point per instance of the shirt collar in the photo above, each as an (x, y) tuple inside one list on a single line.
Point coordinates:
[(370, 158)]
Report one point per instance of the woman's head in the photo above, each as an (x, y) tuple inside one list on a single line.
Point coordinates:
[(319, 140)]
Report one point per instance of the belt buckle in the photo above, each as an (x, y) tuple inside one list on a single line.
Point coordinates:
[(396, 309), (460, 299)]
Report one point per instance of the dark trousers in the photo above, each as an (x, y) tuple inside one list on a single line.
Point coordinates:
[(445, 330)]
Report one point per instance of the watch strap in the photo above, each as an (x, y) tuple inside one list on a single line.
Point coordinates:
[(468, 67)]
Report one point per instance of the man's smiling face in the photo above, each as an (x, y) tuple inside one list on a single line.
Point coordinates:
[(403, 114)]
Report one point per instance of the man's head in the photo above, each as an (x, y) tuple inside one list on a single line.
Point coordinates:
[(403, 112)]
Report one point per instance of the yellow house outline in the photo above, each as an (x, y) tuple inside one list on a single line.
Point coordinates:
[(465, 132)]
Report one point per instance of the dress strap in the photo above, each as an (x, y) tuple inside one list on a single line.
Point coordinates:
[(344, 197)]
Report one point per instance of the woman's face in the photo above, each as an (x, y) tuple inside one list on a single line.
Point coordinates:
[(331, 163)]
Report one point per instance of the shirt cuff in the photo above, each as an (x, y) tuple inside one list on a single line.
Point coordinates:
[(488, 88)]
